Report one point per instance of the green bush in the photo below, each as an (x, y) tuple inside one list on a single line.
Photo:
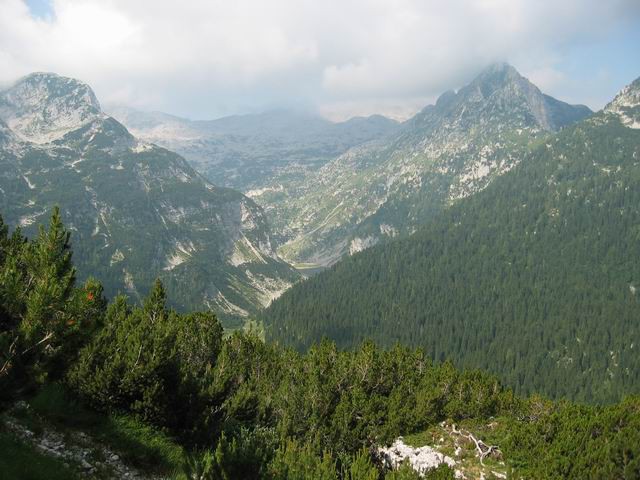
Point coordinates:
[(150, 361)]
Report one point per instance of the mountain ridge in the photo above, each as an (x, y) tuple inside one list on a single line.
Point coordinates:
[(137, 211), (446, 152)]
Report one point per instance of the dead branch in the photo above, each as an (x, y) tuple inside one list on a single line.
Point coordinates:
[(483, 449)]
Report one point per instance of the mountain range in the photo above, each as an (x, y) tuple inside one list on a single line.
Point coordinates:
[(332, 189), (446, 152), (137, 211), (535, 277)]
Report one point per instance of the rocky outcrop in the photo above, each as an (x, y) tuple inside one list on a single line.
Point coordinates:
[(77, 450), (422, 459)]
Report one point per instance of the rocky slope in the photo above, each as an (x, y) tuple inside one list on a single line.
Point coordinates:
[(448, 151), (136, 210), (267, 156)]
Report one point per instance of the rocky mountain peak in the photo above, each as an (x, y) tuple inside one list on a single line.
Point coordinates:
[(626, 105), (43, 107), (497, 76), (500, 87)]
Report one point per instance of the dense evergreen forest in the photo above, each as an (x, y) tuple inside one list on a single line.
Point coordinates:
[(248, 409), (533, 279)]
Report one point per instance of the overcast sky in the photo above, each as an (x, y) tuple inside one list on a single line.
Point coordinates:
[(208, 58)]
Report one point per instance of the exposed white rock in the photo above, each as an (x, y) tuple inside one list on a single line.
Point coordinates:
[(257, 192), (359, 244), (140, 147), (117, 257), (43, 107), (75, 449), (30, 185), (27, 220), (183, 251), (422, 459), (227, 306), (388, 230), (128, 282), (626, 105), (268, 288)]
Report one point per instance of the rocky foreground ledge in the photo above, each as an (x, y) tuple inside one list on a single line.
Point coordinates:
[(468, 456)]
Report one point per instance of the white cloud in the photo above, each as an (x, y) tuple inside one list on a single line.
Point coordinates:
[(207, 57)]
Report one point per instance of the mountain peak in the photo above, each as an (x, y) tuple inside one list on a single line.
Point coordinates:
[(500, 84), (501, 94), (500, 69), (626, 105), (500, 76), (42, 107)]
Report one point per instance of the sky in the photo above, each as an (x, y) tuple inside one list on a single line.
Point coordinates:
[(204, 59)]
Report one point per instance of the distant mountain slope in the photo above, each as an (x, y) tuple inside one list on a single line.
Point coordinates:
[(268, 156), (252, 152), (536, 278), (448, 151), (136, 210)]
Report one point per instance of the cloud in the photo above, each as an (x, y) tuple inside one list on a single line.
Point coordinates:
[(204, 58)]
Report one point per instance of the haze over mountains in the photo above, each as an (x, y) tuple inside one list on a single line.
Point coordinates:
[(248, 152), (136, 210), (334, 189)]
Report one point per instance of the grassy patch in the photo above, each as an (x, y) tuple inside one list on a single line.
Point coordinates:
[(21, 461), (137, 444)]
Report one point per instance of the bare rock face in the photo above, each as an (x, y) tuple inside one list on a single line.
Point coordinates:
[(43, 107), (78, 451), (626, 105)]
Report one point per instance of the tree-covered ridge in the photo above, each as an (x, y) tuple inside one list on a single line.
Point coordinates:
[(534, 279), (137, 211), (246, 409)]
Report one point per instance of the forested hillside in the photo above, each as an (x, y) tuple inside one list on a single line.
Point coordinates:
[(235, 407), (534, 279)]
